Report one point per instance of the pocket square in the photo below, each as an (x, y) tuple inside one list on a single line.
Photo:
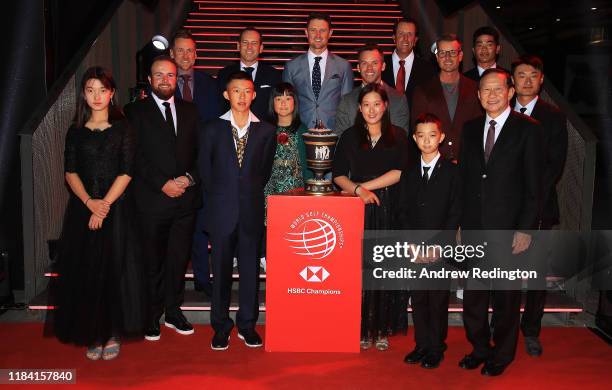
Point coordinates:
[(265, 86)]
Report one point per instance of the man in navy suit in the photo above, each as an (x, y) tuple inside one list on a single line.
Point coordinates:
[(528, 77), (235, 161), (320, 77), (403, 64), (264, 76), (199, 88)]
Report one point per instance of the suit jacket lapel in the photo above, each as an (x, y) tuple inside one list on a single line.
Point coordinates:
[(504, 134), (330, 67), (253, 135), (302, 63), (440, 100)]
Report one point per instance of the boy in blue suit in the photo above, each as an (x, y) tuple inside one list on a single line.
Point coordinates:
[(235, 159), (430, 199)]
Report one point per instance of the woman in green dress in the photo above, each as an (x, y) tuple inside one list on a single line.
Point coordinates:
[(289, 170)]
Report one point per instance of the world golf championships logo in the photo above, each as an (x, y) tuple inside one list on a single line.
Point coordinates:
[(315, 235)]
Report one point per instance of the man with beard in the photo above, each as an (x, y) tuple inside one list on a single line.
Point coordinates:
[(486, 48), (371, 65), (167, 191)]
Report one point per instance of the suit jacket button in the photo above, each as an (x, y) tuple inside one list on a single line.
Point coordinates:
[(450, 143), (484, 176)]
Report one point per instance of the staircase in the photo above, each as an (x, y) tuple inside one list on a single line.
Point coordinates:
[(216, 25)]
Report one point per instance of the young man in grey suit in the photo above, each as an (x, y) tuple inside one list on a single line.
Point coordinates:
[(328, 76), (370, 66)]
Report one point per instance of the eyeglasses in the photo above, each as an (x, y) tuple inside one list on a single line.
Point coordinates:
[(444, 53)]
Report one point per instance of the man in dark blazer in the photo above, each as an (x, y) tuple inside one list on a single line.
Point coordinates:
[(167, 190), (404, 63), (236, 156), (486, 48), (197, 87), (193, 86), (319, 77), (450, 96), (430, 199), (500, 165), (264, 76), (528, 77), (371, 63)]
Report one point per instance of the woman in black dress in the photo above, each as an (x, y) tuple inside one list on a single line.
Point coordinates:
[(368, 163), (99, 294)]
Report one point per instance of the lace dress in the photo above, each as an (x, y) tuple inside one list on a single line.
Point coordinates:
[(99, 292)]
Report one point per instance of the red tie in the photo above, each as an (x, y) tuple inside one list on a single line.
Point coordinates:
[(400, 80)]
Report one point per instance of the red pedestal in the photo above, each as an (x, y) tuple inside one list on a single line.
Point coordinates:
[(313, 283)]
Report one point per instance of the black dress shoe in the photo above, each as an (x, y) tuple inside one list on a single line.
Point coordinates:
[(415, 356), (492, 369), (152, 333), (206, 288), (432, 360), (250, 337), (471, 362), (533, 346), (220, 341), (179, 323)]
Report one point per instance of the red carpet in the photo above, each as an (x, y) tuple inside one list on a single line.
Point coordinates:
[(573, 358)]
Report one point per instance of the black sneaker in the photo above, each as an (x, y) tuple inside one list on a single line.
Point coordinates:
[(152, 333), (250, 337), (220, 341), (179, 323)]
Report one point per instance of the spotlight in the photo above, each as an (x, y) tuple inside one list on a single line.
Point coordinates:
[(158, 45), (160, 42)]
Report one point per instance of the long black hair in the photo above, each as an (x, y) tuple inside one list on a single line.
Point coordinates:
[(387, 136), (83, 111), (285, 89)]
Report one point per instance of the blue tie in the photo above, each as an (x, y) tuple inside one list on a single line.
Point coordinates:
[(316, 78)]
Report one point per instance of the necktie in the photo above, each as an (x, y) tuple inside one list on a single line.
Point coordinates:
[(316, 78), (425, 177), (523, 109), (490, 140), (169, 118), (400, 80), (240, 144), (249, 70), (187, 96)]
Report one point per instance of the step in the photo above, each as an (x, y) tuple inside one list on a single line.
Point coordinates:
[(556, 302), (297, 16), (195, 28), (301, 4), (333, 12), (278, 22)]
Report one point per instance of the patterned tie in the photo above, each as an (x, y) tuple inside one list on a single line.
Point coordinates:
[(523, 109), (249, 70), (240, 144), (425, 177), (490, 140), (169, 118), (187, 96), (316, 78), (400, 80)]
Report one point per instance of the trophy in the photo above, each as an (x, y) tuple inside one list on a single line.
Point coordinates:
[(320, 146)]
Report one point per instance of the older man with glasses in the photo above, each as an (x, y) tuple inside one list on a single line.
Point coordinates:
[(441, 95)]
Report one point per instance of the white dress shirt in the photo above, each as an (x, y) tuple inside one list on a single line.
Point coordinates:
[(529, 107), (229, 116), (162, 108), (254, 66), (322, 63), (431, 165), (499, 123), (481, 70), (407, 66)]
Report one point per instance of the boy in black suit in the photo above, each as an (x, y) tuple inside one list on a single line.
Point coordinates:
[(430, 200), (235, 160)]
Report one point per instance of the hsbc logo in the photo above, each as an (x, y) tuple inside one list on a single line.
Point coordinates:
[(315, 274)]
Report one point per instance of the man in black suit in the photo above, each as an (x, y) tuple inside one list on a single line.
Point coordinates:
[(451, 96), (430, 199), (264, 76), (236, 156), (528, 77), (501, 168), (403, 63), (201, 89), (486, 48), (167, 191)]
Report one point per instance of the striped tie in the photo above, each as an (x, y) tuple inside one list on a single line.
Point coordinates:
[(240, 144)]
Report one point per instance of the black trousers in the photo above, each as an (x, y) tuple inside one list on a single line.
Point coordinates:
[(246, 247), (506, 309), (531, 322), (167, 248), (430, 316)]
